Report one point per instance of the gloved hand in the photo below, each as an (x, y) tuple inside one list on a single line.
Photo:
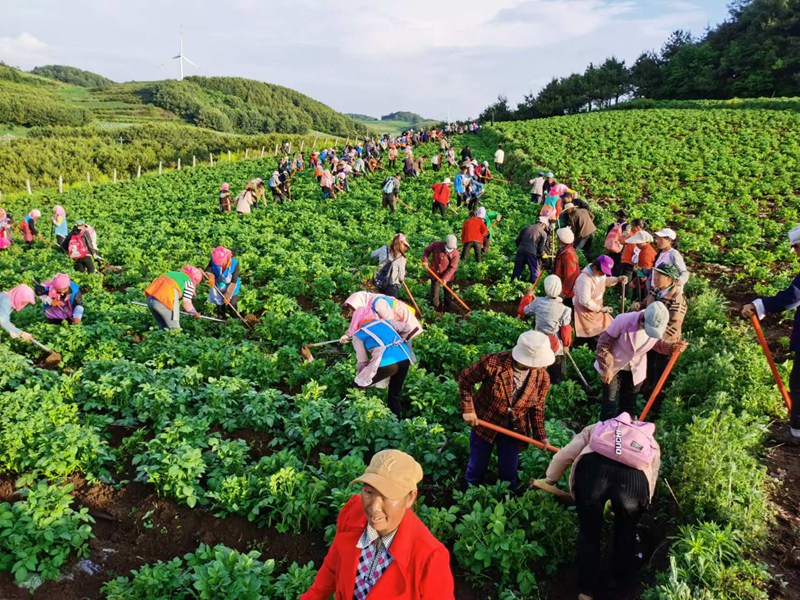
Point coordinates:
[(76, 321), (607, 309), (344, 339), (623, 280), (25, 336)]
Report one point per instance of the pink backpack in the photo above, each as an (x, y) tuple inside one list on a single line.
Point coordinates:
[(626, 441)]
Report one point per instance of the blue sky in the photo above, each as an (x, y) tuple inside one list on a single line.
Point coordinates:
[(365, 56)]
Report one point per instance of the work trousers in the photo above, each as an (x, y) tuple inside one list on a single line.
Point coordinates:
[(599, 479), (224, 310), (619, 396), (85, 264), (440, 208), (163, 315), (584, 243), (480, 451), (436, 288), (397, 375), (523, 259), (389, 200), (476, 248)]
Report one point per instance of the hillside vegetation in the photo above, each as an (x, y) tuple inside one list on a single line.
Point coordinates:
[(224, 104), (72, 75)]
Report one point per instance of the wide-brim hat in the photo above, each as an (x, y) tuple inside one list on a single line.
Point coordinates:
[(533, 350)]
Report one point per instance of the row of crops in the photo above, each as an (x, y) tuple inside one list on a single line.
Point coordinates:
[(184, 399)]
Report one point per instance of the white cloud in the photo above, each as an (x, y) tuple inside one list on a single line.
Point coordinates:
[(24, 50)]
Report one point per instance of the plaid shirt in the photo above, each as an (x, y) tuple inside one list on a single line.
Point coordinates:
[(494, 400), (373, 560)]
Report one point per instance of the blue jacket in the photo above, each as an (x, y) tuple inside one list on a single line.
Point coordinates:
[(458, 183), (223, 278), (785, 300), (396, 349)]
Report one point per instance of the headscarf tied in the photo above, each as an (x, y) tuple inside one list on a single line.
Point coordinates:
[(357, 300), (481, 213), (220, 256), (59, 211), (224, 187), (2, 214), (195, 274), (21, 296), (59, 282), (362, 316)]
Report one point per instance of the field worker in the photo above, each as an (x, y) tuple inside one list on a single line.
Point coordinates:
[(537, 188), (666, 243), (392, 156), (786, 300), (245, 200), (599, 475), (381, 548), (396, 312), (475, 192), (298, 162), (499, 157), (460, 184), (260, 192), (451, 157), (626, 258), (473, 232), (490, 218), (391, 272), (644, 258), (81, 247), (549, 182), (419, 166), (566, 265), (466, 153), (622, 355), (581, 221), (551, 207), (222, 273), (444, 262), (225, 198), (615, 239), (15, 299), (667, 291), (326, 184), (531, 247), (512, 393), (359, 167), (486, 174), (390, 191), (441, 197), (591, 317), (553, 319), (59, 220), (275, 187), (6, 230), (436, 162), (28, 227), (409, 167), (171, 291), (62, 299), (383, 356)]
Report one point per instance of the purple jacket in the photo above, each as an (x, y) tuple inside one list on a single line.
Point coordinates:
[(616, 346)]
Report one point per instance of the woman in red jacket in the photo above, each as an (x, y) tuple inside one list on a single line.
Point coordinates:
[(381, 548), (472, 233), (567, 266)]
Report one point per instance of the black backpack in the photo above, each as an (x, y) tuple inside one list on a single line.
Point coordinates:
[(381, 278)]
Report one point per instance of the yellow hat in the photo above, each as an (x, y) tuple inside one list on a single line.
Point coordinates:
[(393, 473)]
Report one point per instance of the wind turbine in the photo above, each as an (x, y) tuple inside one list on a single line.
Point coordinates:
[(181, 57)]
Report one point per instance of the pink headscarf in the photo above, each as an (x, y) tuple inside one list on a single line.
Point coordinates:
[(220, 256), (358, 299), (21, 296), (225, 187), (59, 211), (59, 282), (195, 274), (362, 316), (2, 214)]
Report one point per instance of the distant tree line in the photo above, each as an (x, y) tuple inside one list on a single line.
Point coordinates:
[(754, 53), (72, 75)]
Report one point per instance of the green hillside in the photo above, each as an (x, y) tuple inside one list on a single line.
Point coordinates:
[(403, 121), (224, 104), (72, 76)]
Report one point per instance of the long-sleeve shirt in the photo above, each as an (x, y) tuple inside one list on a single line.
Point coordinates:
[(443, 263), (5, 316), (538, 185), (550, 316), (441, 193), (784, 300), (498, 401), (473, 230), (578, 447), (397, 272), (676, 305), (582, 223), (624, 346), (532, 239), (567, 267)]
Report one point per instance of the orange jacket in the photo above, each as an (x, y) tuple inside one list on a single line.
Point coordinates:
[(420, 570), (473, 230), (441, 193), (647, 257)]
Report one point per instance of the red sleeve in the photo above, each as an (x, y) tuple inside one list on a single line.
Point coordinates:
[(464, 233), (526, 299), (484, 229), (437, 578), (450, 273)]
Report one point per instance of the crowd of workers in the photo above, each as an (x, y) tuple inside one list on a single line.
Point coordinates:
[(379, 541)]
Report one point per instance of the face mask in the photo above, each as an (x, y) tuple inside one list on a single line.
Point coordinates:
[(449, 250), (661, 293)]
